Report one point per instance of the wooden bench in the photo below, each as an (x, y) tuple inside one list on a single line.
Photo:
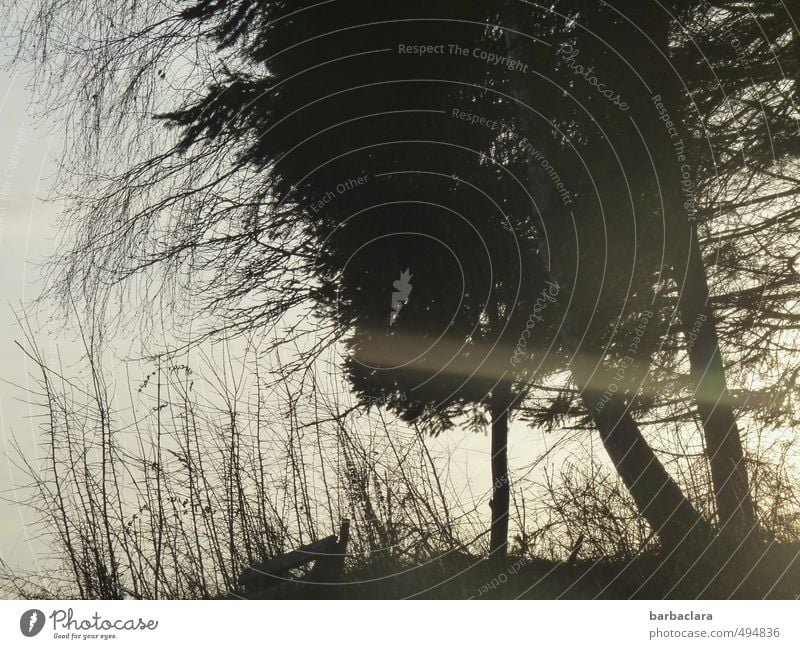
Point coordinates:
[(270, 578)]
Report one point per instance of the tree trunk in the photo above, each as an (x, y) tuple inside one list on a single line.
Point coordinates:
[(498, 543), (714, 405), (720, 431), (658, 497)]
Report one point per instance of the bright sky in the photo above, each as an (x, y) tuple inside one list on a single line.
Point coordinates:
[(27, 231), (26, 237)]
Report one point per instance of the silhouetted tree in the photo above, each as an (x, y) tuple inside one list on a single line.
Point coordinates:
[(297, 107), (319, 113)]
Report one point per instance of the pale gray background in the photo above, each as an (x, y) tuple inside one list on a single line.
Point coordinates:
[(26, 237)]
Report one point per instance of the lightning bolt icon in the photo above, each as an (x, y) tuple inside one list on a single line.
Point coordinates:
[(34, 617)]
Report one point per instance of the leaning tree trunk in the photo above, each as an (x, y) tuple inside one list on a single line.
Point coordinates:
[(658, 497), (499, 408), (714, 405)]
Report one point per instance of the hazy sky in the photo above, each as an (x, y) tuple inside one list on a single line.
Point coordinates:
[(27, 231), (26, 238), (27, 223)]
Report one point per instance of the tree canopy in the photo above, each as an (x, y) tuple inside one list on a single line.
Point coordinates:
[(479, 201)]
